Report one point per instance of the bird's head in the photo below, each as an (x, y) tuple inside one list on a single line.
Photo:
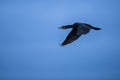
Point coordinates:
[(62, 27), (66, 27)]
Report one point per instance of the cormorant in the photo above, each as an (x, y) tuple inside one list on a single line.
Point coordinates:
[(77, 30)]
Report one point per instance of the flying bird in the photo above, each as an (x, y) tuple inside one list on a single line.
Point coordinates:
[(78, 29)]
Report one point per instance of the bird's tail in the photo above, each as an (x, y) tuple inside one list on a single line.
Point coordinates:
[(95, 28)]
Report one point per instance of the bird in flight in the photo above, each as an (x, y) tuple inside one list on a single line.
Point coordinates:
[(78, 29)]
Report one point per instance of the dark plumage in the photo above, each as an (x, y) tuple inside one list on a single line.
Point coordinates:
[(77, 30)]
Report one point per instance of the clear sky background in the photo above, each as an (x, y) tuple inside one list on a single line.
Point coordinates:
[(30, 38)]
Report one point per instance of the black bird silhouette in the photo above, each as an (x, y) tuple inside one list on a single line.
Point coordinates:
[(77, 31)]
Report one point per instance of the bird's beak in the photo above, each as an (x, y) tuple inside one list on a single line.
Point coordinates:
[(60, 27)]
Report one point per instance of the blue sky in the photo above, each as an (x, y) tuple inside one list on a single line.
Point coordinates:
[(30, 38)]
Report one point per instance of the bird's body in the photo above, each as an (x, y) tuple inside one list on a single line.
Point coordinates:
[(77, 31)]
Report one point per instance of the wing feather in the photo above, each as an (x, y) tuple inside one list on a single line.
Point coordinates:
[(72, 36)]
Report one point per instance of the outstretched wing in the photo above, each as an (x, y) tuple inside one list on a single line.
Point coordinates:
[(72, 36)]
